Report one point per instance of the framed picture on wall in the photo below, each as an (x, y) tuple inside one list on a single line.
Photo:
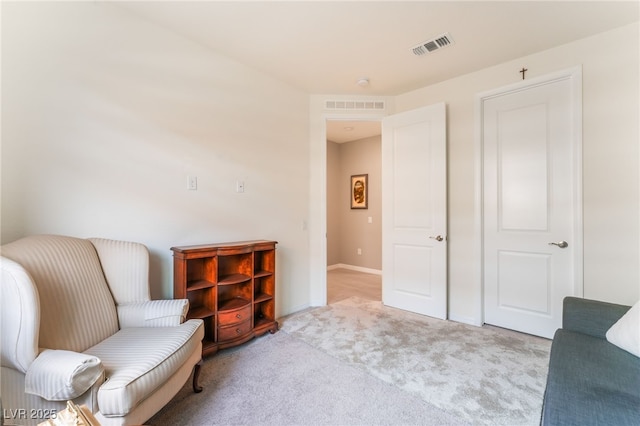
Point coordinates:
[(359, 191)]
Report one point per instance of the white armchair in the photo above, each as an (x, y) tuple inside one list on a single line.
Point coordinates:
[(78, 324)]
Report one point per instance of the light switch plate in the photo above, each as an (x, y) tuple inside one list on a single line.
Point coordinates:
[(192, 183)]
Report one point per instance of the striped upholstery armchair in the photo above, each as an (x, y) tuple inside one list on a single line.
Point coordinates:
[(78, 324)]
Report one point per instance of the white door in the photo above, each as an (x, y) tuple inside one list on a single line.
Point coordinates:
[(414, 211), (531, 202)]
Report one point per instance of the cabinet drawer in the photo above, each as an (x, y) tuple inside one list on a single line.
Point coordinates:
[(231, 332), (234, 317)]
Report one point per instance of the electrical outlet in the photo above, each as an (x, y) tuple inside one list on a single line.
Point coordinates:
[(359, 252)]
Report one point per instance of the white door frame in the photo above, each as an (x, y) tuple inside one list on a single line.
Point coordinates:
[(317, 222), (575, 74)]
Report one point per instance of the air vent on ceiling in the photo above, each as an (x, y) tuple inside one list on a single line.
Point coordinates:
[(349, 105), (432, 45)]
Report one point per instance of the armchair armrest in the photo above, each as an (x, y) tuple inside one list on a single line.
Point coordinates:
[(591, 317), (153, 313), (19, 316), (58, 375)]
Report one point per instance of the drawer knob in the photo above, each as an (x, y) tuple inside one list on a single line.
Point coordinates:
[(238, 316), (238, 331)]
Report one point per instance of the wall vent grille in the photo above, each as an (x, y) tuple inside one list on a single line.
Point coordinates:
[(432, 45), (351, 105)]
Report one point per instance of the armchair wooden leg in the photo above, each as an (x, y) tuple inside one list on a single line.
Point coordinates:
[(196, 374)]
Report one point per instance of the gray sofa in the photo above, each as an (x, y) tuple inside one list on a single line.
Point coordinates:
[(590, 381)]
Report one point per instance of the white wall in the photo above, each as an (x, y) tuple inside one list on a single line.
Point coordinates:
[(610, 164), (104, 115)]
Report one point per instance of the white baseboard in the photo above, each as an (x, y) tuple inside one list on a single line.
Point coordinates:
[(354, 268), (296, 309)]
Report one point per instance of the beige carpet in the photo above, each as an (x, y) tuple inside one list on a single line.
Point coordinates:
[(483, 375), (357, 362), (279, 380)]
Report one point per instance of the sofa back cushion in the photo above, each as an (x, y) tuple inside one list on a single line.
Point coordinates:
[(77, 310), (591, 317)]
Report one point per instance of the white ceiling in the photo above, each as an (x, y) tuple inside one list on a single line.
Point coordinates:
[(324, 47), (346, 131)]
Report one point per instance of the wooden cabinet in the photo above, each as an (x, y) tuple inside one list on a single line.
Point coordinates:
[(231, 287)]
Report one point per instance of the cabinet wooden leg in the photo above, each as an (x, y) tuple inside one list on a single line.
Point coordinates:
[(196, 374)]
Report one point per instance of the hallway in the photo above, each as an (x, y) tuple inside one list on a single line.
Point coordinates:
[(344, 283)]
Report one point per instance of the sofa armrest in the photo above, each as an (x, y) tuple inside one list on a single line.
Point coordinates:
[(591, 317), (153, 313)]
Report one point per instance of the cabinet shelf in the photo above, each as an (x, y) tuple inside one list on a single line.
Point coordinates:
[(200, 312), (262, 297), (262, 273), (233, 279), (233, 304), (230, 287), (263, 322), (199, 285), (209, 346)]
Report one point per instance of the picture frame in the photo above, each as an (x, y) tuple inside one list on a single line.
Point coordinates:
[(359, 191)]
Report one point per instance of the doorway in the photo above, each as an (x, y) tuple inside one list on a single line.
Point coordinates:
[(354, 235)]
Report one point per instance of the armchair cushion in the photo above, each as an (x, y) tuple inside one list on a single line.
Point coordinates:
[(59, 375), (139, 360), (153, 313)]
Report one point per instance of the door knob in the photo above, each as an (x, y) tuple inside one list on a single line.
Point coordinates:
[(437, 238), (561, 244)]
